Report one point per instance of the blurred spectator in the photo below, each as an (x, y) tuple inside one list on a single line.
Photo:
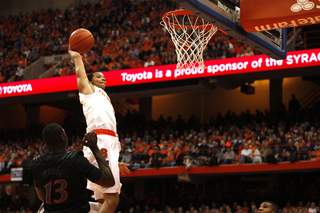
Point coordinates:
[(241, 53), (156, 159), (256, 155), (170, 159), (2, 77), (57, 71), (19, 72), (276, 154), (27, 158), (197, 157), (145, 158), (246, 154), (312, 208), (135, 159), (3, 163), (126, 158), (88, 68), (187, 158), (304, 151), (104, 67), (265, 151), (204, 148), (294, 104), (291, 152), (248, 52), (228, 156), (149, 62)]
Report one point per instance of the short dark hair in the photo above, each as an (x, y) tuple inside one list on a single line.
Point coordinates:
[(90, 76), (51, 134), (274, 205)]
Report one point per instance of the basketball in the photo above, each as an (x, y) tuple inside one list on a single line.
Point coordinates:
[(81, 40)]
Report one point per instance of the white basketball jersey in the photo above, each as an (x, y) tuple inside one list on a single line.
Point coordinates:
[(98, 110)]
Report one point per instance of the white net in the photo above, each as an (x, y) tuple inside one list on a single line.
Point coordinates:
[(190, 35)]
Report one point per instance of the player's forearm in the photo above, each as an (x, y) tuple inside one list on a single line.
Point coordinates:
[(79, 66), (39, 194), (103, 165)]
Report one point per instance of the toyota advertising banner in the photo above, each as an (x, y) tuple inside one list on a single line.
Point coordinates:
[(229, 66)]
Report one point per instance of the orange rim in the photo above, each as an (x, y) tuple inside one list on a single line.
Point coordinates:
[(185, 12)]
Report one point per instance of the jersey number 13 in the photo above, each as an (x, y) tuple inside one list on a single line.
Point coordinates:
[(62, 185)]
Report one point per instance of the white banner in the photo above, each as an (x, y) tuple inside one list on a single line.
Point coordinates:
[(16, 174)]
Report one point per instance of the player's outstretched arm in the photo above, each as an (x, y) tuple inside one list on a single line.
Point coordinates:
[(83, 84), (106, 180)]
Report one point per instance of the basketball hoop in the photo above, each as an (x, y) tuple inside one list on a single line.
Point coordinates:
[(190, 35)]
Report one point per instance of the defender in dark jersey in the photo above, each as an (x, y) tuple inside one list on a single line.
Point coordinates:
[(60, 177)]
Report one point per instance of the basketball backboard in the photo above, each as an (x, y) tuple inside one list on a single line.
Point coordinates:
[(227, 19)]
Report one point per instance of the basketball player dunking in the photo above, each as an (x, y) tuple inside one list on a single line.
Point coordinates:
[(100, 117)]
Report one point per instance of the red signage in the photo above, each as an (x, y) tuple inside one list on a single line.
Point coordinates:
[(274, 14), (229, 66)]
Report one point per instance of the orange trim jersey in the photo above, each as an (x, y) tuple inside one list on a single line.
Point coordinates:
[(98, 110), (100, 117)]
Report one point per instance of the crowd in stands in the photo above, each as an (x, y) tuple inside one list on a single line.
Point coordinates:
[(215, 145), (176, 142), (179, 142), (230, 139), (127, 35)]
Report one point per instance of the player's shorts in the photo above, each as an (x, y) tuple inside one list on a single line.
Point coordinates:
[(110, 148)]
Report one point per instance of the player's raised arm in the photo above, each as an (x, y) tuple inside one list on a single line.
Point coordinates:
[(84, 86), (107, 179)]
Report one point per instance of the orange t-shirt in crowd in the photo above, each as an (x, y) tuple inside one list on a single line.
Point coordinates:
[(8, 63), (23, 61), (219, 137), (178, 153), (247, 135), (170, 46), (245, 209), (148, 45), (3, 159), (164, 152), (150, 152), (105, 51), (154, 57), (170, 157), (236, 49)]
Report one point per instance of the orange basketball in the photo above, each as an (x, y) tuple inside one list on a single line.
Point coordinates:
[(81, 40)]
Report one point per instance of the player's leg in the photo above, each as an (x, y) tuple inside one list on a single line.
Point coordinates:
[(111, 201), (110, 195), (95, 206)]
